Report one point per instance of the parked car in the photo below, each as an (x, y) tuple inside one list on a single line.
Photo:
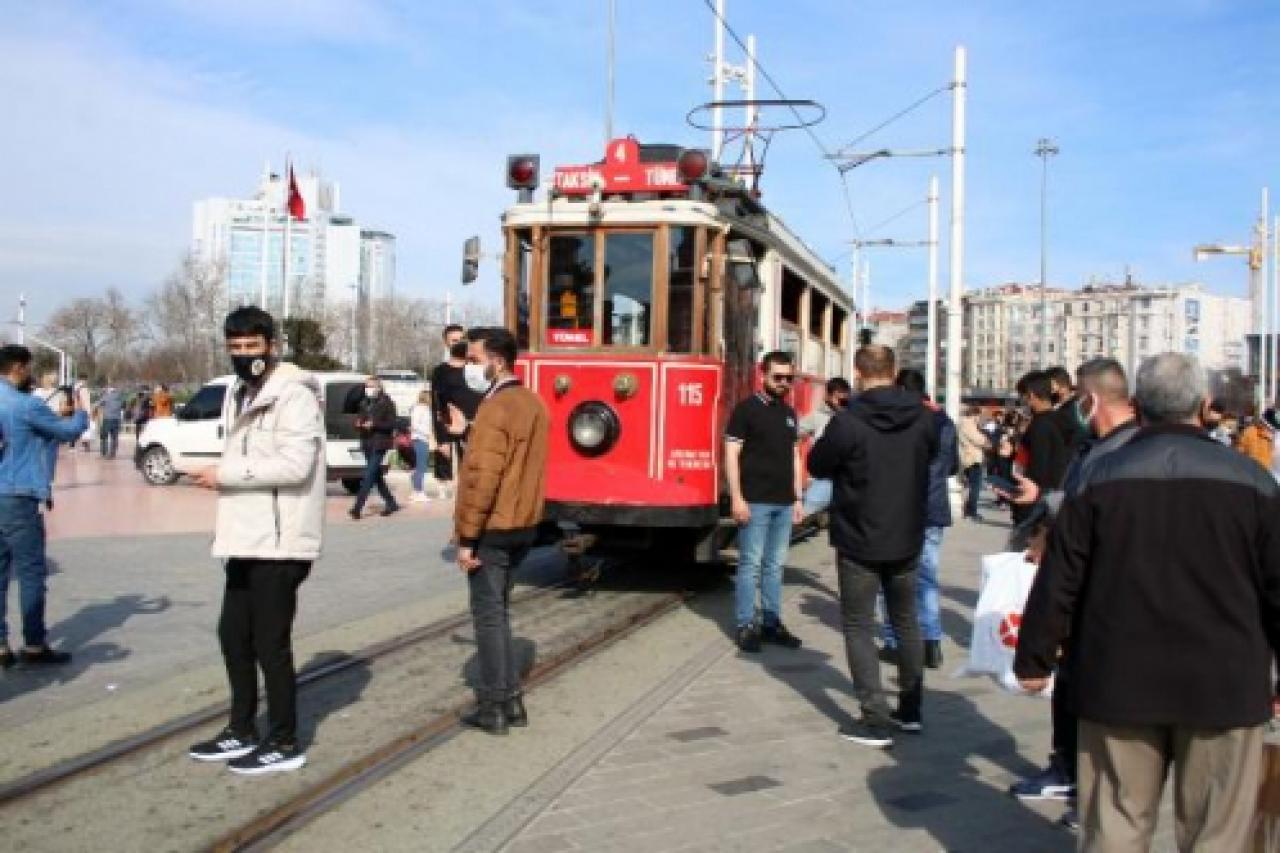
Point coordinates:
[(192, 439)]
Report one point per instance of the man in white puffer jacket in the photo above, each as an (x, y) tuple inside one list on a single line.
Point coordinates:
[(271, 496)]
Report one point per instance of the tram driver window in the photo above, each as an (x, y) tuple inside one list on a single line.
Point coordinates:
[(628, 289), (572, 275), (680, 290)]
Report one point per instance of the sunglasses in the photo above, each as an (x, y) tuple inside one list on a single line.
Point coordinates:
[(782, 377)]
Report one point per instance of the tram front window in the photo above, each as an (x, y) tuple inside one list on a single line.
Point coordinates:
[(628, 289), (571, 296)]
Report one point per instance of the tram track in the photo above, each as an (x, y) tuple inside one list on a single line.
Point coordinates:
[(371, 713), (47, 778)]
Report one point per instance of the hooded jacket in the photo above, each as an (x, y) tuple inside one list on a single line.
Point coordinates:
[(878, 453), (271, 480)]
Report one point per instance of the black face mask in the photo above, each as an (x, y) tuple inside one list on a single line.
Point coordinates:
[(26, 385), (250, 368), (458, 350)]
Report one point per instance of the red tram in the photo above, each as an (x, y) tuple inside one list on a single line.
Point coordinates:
[(643, 291)]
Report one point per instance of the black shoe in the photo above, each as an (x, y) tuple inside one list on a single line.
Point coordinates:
[(933, 654), (749, 638), (391, 510), (224, 746), (271, 757), (516, 714), (867, 733), (780, 636), (907, 721), (888, 654), (45, 657), (354, 513), (7, 659), (487, 717), (1052, 783)]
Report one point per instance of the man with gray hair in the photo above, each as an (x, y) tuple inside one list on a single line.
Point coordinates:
[(1166, 574)]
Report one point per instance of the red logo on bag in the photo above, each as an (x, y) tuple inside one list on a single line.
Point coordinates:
[(1009, 626)]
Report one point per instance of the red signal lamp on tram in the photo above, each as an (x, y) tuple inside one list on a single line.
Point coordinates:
[(522, 174), (693, 165)]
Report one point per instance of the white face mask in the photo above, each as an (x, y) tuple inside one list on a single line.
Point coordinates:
[(371, 393), (476, 379)]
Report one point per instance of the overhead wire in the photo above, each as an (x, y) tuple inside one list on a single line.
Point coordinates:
[(900, 114)]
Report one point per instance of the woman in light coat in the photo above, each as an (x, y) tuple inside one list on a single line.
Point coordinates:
[(421, 428)]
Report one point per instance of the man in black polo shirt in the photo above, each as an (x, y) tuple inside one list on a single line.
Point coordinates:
[(762, 464)]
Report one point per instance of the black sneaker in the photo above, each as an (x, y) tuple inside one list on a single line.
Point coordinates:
[(488, 717), (749, 638), (515, 711), (225, 746), (1071, 819), (7, 658), (45, 657), (908, 722), (390, 510), (271, 757), (867, 733), (780, 636), (1049, 784)]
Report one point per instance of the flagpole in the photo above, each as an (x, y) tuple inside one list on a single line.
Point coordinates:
[(288, 224)]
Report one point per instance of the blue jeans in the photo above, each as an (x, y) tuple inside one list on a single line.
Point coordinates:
[(973, 488), (762, 548), (109, 434), (373, 477), (817, 498), (928, 600), (421, 454), (22, 553)]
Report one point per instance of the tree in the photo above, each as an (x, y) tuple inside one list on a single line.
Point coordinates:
[(307, 345), (185, 319), (80, 328)]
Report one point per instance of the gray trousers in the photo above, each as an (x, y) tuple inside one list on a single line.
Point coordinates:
[(490, 587), (859, 585), (1122, 775)]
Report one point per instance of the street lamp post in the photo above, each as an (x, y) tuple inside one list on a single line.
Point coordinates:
[(1045, 148)]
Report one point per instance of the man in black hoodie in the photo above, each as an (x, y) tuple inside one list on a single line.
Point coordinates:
[(878, 452)]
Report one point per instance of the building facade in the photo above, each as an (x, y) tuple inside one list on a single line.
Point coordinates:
[(331, 258), (1125, 322)]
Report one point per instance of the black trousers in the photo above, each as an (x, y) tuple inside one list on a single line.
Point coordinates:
[(256, 630), (859, 584), (1066, 726), (490, 587)]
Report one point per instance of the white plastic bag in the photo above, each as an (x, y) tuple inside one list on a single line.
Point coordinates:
[(1006, 582)]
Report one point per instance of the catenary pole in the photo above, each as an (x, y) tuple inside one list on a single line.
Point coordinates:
[(931, 317), (956, 303), (609, 86), (717, 85)]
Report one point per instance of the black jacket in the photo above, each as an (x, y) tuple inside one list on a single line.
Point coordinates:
[(380, 411), (877, 452), (945, 465), (1166, 575)]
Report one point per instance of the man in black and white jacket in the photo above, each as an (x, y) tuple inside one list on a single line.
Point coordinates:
[(1166, 576)]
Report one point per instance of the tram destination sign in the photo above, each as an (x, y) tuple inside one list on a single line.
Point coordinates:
[(622, 171)]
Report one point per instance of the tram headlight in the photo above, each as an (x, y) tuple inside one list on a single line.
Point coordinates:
[(593, 428)]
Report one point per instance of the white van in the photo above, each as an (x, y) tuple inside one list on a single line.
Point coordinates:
[(193, 437)]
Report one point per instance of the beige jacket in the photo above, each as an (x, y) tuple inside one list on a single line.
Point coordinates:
[(972, 442), (271, 481)]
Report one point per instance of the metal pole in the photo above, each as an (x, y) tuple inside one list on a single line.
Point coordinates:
[(751, 112), (717, 85), (608, 106), (956, 303), (1264, 238), (931, 323), (1044, 150)]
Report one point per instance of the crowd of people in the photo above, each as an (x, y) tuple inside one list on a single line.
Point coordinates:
[(1155, 612)]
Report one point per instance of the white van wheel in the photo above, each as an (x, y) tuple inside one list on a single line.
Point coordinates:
[(157, 467)]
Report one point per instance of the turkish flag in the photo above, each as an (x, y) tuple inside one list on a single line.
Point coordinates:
[(297, 208)]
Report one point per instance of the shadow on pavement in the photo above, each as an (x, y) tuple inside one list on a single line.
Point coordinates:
[(329, 697)]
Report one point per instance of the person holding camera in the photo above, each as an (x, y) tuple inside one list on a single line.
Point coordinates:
[(28, 431)]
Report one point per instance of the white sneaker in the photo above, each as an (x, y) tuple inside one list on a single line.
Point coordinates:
[(420, 498)]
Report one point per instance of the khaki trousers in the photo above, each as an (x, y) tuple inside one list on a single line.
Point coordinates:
[(1122, 773)]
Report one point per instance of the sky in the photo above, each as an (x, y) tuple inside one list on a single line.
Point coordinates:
[(118, 116)]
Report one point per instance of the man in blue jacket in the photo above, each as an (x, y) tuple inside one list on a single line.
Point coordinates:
[(942, 467), (27, 428)]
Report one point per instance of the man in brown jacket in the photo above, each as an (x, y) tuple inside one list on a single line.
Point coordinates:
[(498, 508)]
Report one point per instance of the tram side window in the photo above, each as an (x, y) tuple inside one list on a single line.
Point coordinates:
[(572, 273), (628, 289), (789, 334), (680, 290)]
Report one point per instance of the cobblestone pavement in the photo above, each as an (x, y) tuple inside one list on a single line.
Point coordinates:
[(741, 752)]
